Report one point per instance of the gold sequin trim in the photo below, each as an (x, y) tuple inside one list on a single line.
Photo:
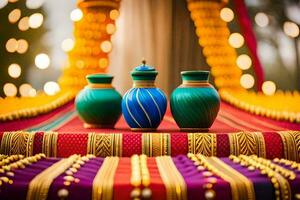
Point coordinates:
[(156, 144), (18, 142), (204, 143), (39, 186), (104, 180), (247, 143), (49, 146), (176, 188), (291, 144), (104, 144)]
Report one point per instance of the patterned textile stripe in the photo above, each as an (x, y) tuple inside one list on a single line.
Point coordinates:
[(223, 145), (18, 142), (49, 145), (71, 143), (122, 185), (157, 185), (253, 124), (38, 142), (57, 123), (104, 180), (274, 145), (156, 144), (176, 188), (132, 144), (39, 186), (291, 144), (266, 122), (104, 144), (230, 123), (52, 118), (237, 121), (179, 143), (241, 186), (247, 143), (204, 143)]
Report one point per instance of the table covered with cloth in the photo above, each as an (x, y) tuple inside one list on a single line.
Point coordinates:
[(60, 133), (140, 177)]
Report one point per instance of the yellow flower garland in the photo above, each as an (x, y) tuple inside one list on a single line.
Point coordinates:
[(213, 36)]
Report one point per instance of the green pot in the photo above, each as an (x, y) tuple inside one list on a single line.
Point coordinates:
[(99, 104), (195, 103)]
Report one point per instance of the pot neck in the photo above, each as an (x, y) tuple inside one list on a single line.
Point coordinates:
[(99, 81), (195, 78)]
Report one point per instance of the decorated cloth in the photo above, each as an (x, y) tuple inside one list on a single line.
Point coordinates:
[(140, 177), (61, 134)]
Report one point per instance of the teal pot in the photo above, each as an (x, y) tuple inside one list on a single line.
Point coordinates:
[(99, 104), (195, 103)]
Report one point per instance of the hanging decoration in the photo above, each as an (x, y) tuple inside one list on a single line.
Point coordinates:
[(219, 49)]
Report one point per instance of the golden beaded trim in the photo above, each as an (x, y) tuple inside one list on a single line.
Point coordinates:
[(140, 176), (40, 185), (104, 179), (241, 186), (175, 185), (276, 173)]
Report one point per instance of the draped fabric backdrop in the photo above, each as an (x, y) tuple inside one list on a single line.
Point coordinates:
[(162, 33)]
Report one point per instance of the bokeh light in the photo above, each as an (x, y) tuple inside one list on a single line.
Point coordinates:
[(14, 15), (51, 88), (11, 45), (24, 24), (114, 14), (236, 40), (247, 81), (106, 46), (261, 19), (24, 89), (36, 20), (110, 28), (42, 61), (34, 4), (291, 29), (226, 14), (10, 90), (22, 46), (103, 63), (14, 70), (76, 15), (67, 44), (32, 92), (244, 62), (3, 3), (269, 88)]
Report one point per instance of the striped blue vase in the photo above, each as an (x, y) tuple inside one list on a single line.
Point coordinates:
[(144, 105)]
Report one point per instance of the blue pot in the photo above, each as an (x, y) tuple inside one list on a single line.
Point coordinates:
[(144, 105)]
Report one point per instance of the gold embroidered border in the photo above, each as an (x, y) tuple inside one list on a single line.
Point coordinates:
[(17, 142), (156, 144), (49, 146), (241, 186), (104, 180), (176, 188), (204, 143), (247, 143), (291, 144), (39, 186), (105, 144)]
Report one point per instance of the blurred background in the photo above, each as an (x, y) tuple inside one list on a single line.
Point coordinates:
[(35, 36)]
